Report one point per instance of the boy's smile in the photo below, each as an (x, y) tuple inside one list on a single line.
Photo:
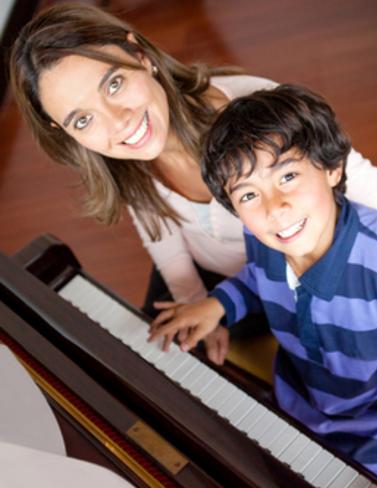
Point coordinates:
[(289, 206)]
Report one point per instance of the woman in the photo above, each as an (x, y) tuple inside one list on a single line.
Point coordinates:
[(129, 118)]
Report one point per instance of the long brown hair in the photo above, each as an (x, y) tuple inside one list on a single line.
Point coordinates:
[(73, 29)]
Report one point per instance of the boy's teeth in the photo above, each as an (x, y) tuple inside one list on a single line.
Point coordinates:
[(139, 134), (292, 230)]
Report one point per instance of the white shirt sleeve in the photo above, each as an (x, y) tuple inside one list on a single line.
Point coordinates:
[(174, 261), (361, 180)]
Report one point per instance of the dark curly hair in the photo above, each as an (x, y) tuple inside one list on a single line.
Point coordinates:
[(279, 119)]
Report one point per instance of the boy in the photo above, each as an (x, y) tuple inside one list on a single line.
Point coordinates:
[(276, 158)]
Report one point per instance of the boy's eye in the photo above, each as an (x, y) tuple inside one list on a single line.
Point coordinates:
[(248, 196), (288, 177), (82, 122), (114, 85)]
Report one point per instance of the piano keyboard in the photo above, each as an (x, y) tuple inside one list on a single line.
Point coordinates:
[(287, 444)]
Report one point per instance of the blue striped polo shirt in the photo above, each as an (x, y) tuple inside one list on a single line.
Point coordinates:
[(326, 367)]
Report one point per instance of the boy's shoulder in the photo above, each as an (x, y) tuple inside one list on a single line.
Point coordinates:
[(367, 217)]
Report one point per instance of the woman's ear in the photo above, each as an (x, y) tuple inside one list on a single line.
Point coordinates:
[(131, 37), (144, 60)]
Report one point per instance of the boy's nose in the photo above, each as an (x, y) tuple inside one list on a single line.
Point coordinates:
[(277, 206)]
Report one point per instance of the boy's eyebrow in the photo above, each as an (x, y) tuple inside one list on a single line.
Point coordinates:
[(274, 167), (284, 162), (103, 80)]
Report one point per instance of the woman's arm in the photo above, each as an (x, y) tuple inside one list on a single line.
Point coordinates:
[(361, 180), (174, 261)]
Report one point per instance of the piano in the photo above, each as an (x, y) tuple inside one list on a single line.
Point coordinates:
[(159, 419)]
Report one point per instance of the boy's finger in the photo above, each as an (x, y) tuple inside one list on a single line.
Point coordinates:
[(163, 317), (170, 328), (164, 305), (182, 334), (167, 341), (223, 347), (195, 335)]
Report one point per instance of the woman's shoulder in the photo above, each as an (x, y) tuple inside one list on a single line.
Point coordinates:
[(234, 86)]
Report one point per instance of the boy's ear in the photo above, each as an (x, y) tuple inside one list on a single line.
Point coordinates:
[(335, 175)]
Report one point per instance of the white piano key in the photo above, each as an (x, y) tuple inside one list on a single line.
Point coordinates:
[(271, 435), (360, 482), (149, 348), (284, 441), (174, 365), (229, 405), (72, 288), (135, 340), (155, 353), (102, 313), (188, 376), (222, 396), (166, 358), (119, 325), (247, 421), (344, 479), (185, 367), (319, 463), (193, 378), (141, 343), (198, 386), (328, 474), (294, 449), (259, 415), (305, 456), (212, 390), (267, 422), (84, 299), (238, 414)]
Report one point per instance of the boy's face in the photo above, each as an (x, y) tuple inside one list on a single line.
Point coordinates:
[(289, 207)]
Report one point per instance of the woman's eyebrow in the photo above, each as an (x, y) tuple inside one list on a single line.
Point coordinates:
[(107, 75), (103, 80)]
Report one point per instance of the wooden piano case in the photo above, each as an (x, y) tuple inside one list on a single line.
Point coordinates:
[(116, 392)]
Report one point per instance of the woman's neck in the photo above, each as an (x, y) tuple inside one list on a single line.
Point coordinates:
[(177, 169)]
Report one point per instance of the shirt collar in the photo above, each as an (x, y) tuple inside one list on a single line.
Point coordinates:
[(321, 279)]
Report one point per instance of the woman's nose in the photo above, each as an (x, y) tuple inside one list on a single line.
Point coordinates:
[(118, 117)]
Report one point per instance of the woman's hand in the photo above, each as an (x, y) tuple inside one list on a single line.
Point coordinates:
[(195, 320), (217, 345)]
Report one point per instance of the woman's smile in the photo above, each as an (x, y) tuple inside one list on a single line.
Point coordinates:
[(140, 135)]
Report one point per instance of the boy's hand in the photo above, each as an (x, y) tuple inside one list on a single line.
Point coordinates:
[(217, 345), (195, 320)]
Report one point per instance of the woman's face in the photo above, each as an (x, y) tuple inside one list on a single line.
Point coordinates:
[(118, 112)]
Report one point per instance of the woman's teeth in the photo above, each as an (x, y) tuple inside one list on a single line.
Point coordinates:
[(285, 234), (139, 133)]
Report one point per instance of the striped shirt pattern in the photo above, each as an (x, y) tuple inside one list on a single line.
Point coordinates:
[(326, 366)]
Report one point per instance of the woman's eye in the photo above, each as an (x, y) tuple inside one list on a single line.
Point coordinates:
[(83, 122), (114, 85), (289, 177), (248, 196)]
